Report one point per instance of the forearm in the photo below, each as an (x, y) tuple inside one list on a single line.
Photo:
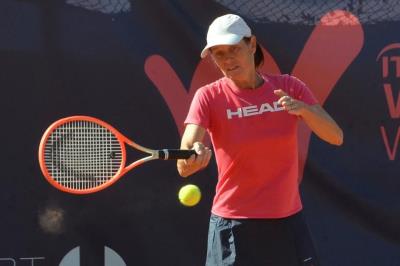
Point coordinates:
[(322, 124)]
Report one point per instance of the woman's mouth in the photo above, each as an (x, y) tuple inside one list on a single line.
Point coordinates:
[(230, 69)]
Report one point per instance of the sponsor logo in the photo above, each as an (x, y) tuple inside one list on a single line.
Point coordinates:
[(253, 110), (111, 258), (389, 59), (72, 258), (22, 261)]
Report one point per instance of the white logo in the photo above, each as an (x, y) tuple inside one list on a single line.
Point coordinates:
[(13, 261), (111, 258), (253, 110)]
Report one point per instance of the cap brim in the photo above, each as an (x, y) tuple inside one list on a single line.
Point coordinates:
[(226, 39)]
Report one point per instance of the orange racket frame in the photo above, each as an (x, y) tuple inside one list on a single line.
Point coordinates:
[(53, 169)]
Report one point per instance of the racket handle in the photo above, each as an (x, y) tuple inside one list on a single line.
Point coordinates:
[(174, 154)]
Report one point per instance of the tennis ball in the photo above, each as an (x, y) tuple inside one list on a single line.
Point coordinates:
[(189, 195)]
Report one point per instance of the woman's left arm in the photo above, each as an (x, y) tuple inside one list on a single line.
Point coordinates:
[(322, 124), (319, 121)]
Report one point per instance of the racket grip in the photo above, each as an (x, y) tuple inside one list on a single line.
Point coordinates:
[(174, 154)]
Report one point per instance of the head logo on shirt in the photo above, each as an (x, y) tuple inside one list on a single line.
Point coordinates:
[(252, 110)]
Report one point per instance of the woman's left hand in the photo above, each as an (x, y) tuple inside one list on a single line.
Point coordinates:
[(293, 106)]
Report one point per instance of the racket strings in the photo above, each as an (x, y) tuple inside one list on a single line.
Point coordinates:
[(82, 155)]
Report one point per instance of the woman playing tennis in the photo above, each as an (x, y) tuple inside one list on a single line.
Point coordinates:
[(252, 119)]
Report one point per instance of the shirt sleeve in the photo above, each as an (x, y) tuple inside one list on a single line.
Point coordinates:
[(299, 90), (199, 111)]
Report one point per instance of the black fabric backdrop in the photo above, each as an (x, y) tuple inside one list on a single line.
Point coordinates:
[(57, 60)]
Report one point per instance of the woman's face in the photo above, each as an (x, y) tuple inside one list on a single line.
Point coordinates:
[(235, 61)]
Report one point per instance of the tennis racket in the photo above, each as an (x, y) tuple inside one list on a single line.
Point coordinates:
[(82, 154)]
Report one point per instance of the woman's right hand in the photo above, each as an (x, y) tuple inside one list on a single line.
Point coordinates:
[(192, 140), (196, 162)]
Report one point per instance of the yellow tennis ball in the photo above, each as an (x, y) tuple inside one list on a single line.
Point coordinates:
[(189, 195)]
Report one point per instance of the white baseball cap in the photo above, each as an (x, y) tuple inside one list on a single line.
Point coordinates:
[(226, 30)]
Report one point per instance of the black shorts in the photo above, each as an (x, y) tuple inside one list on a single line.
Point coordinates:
[(264, 242)]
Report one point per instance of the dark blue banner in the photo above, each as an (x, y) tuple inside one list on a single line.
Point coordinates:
[(136, 65)]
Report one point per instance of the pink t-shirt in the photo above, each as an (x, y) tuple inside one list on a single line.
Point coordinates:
[(255, 146)]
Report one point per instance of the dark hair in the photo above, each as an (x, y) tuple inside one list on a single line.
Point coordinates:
[(258, 55)]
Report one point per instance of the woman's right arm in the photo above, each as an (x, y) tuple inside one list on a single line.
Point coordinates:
[(192, 139)]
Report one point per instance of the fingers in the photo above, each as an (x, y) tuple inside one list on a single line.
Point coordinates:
[(203, 154), (280, 93), (289, 104), (190, 160), (284, 99), (198, 147), (201, 158)]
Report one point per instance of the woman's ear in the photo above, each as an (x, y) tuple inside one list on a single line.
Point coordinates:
[(253, 43)]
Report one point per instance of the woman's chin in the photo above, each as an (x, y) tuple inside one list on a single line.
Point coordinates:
[(234, 74)]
